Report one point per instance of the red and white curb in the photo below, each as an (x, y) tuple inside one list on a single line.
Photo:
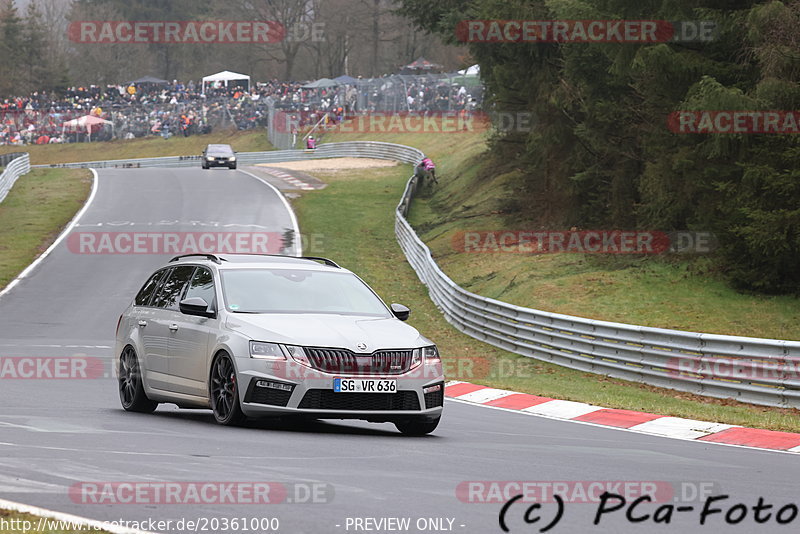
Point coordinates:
[(647, 423), (288, 178)]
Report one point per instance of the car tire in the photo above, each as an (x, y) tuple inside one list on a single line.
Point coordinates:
[(131, 385), (223, 392), (233, 167), (205, 167), (417, 427)]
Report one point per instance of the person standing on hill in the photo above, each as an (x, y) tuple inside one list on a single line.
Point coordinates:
[(430, 167)]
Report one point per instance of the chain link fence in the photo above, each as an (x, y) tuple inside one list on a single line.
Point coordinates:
[(289, 122), (415, 93)]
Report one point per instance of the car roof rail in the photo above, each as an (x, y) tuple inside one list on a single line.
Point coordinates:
[(326, 261), (211, 257), (219, 259)]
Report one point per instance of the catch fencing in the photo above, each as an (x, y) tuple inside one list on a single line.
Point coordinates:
[(427, 92)]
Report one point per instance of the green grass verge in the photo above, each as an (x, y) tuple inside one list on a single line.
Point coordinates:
[(676, 292), (355, 214), (27, 523), (145, 147), (35, 211)]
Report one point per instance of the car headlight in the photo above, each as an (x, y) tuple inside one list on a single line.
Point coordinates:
[(210, 158), (298, 355), (431, 355), (266, 351), (232, 158), (416, 358)]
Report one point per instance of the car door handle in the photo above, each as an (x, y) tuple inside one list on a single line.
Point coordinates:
[(173, 327), (142, 323)]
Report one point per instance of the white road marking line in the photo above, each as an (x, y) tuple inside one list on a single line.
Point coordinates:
[(275, 457), (58, 240), (39, 346), (298, 247), (17, 484), (181, 223)]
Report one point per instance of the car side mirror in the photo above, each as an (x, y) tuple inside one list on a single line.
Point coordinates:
[(400, 311), (196, 306)]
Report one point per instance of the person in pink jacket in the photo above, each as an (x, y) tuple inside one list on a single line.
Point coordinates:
[(430, 167)]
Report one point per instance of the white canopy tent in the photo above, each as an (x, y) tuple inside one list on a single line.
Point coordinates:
[(225, 76), (474, 70), (87, 121)]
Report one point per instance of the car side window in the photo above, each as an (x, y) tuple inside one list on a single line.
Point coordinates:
[(202, 285), (143, 297), (171, 290)]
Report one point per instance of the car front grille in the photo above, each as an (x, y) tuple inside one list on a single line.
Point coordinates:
[(326, 399), (343, 361)]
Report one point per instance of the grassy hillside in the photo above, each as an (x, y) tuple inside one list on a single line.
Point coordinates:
[(665, 291), (353, 221)]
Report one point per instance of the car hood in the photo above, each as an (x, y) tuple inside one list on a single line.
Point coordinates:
[(328, 330)]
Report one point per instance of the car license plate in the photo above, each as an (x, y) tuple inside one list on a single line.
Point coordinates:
[(364, 385)]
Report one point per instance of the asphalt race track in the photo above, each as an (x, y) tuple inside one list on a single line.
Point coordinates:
[(55, 434)]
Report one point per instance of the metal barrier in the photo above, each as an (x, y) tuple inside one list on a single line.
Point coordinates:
[(5, 159), (14, 168), (356, 149), (754, 370)]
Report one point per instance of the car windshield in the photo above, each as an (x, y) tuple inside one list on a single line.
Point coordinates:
[(221, 150), (299, 291)]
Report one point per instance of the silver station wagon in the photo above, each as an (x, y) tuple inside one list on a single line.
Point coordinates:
[(249, 335)]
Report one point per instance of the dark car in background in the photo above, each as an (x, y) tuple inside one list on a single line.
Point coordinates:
[(219, 156)]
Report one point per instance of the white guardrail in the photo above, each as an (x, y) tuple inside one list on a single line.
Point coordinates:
[(356, 149), (754, 370), (15, 168)]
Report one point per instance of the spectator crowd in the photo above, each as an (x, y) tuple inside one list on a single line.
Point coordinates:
[(168, 109)]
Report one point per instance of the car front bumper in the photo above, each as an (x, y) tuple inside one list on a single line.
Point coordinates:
[(288, 388), (219, 162)]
